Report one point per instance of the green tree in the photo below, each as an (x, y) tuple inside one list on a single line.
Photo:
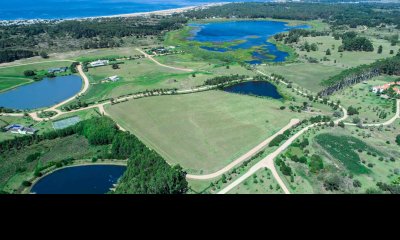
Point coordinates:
[(115, 66), (328, 52), (352, 111), (43, 54), (316, 163), (380, 49), (398, 139)]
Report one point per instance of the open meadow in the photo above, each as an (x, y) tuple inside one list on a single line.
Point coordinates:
[(204, 131)]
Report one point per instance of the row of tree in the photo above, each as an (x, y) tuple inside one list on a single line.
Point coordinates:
[(12, 55), (348, 77)]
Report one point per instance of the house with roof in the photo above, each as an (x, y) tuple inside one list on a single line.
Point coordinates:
[(382, 88), (20, 129), (57, 70), (99, 63)]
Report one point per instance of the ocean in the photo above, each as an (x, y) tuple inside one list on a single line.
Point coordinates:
[(65, 9)]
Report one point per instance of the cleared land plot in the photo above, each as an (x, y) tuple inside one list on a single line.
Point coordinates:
[(205, 131), (345, 59), (61, 124), (262, 182), (306, 75)]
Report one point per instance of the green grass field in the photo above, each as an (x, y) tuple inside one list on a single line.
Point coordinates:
[(345, 59), (7, 83), (306, 75), (205, 131), (262, 182), (143, 74)]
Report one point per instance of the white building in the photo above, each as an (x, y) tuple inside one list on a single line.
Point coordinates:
[(99, 63), (113, 78)]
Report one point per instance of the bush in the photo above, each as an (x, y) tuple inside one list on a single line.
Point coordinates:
[(26, 184), (33, 157), (333, 183), (29, 73), (44, 54), (316, 163)]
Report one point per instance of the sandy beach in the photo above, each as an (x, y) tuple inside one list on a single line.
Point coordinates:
[(162, 12)]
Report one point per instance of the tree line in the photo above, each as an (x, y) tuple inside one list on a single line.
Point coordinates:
[(225, 79), (12, 55), (22, 41), (348, 77)]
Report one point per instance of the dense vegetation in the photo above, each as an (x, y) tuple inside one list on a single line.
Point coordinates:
[(147, 171), (21, 41), (344, 149), (12, 55), (352, 42), (336, 14)]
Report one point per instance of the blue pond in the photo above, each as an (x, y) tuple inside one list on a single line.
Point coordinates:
[(92, 179), (44, 93), (254, 33), (257, 88)]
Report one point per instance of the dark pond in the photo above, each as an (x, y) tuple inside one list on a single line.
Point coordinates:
[(92, 179), (257, 88)]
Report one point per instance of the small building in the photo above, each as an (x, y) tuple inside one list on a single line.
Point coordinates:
[(113, 78), (99, 63), (57, 70), (20, 129)]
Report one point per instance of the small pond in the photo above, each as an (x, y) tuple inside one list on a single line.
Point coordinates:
[(256, 88), (91, 179)]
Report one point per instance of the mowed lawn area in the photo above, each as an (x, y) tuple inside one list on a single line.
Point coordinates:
[(204, 131), (7, 83), (307, 75), (143, 74)]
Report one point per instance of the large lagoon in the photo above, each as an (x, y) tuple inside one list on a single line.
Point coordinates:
[(249, 34)]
